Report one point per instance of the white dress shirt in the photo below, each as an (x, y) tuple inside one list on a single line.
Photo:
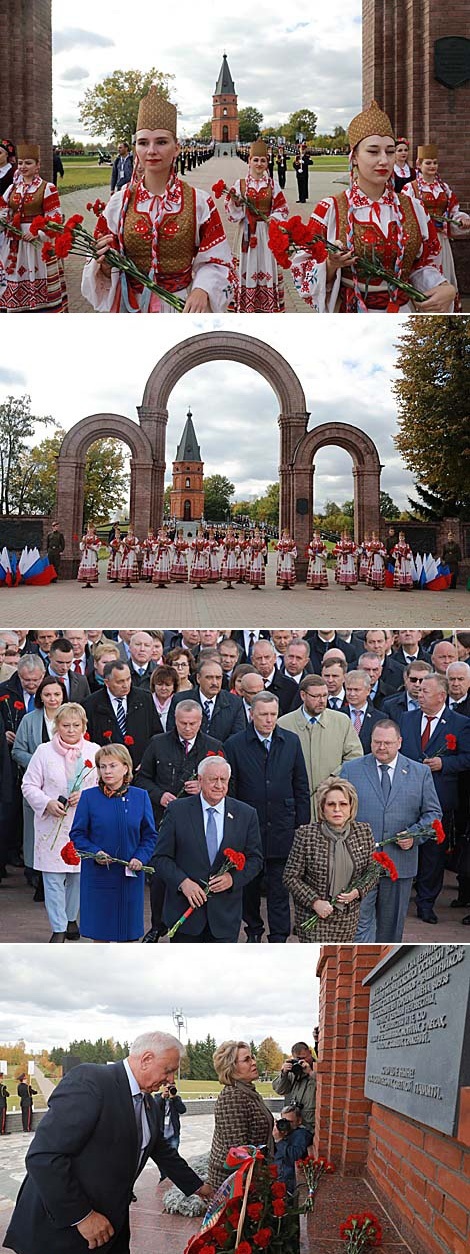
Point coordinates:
[(391, 769), (434, 721), (114, 702), (219, 815), (135, 1088)]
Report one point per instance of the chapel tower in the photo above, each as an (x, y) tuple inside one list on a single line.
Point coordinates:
[(225, 107), (187, 495)]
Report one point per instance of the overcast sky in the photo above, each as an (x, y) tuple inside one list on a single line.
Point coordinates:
[(88, 367), (49, 998), (283, 57)]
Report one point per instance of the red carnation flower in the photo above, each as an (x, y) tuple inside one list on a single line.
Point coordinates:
[(272, 1170), (88, 763), (4, 697), (69, 854), (16, 220), (101, 227), (219, 189), (451, 742), (279, 1189), (386, 863), (63, 244), (38, 224), (18, 705), (207, 1249), (439, 830), (238, 859), (244, 1247), (279, 1207), (47, 252), (211, 753), (107, 735), (128, 740), (75, 220), (219, 1234), (89, 205), (255, 1210), (86, 736), (262, 1238)]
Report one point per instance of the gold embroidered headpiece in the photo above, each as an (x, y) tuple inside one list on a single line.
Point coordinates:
[(372, 121), (156, 113), (26, 150), (427, 152), (258, 149)]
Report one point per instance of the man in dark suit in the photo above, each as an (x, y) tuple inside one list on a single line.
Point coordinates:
[(377, 640), (192, 840), (264, 661), (42, 644), (122, 714), (60, 665), (222, 711), (82, 654), (407, 700), (458, 679), (26, 1093), (268, 771), (411, 649), (121, 172), (170, 1107), (16, 700), (140, 659), (440, 738), (379, 690), (333, 673), (55, 545), (101, 1128), (247, 639), (321, 642), (359, 708)]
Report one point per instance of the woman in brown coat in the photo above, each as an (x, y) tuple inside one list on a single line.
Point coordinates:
[(241, 1116), (325, 858)]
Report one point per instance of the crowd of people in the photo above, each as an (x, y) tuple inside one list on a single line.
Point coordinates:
[(249, 776), (393, 212)]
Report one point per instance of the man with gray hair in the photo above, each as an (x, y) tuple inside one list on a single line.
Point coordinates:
[(101, 1128), (192, 841), (6, 670), (16, 700)]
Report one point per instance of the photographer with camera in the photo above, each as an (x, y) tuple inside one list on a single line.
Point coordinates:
[(170, 1107), (291, 1141), (297, 1081)]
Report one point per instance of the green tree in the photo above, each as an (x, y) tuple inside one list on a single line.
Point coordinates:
[(17, 425), (205, 131), (110, 109), (270, 1056), (105, 479), (249, 122), (304, 122), (268, 505), (434, 506), (434, 403), (388, 509), (218, 493), (199, 1059), (34, 478)]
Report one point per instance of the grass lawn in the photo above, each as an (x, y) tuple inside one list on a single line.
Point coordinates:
[(188, 1089), (81, 172)]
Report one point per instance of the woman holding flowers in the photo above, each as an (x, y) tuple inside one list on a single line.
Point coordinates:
[(56, 775), (113, 820), (371, 220), (241, 1116), (260, 287), (169, 229), (286, 576), (345, 552), (403, 569), (31, 276), (88, 570), (317, 553), (326, 859), (129, 570)]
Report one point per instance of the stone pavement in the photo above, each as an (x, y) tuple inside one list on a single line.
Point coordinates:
[(24, 921), (109, 605), (322, 183)]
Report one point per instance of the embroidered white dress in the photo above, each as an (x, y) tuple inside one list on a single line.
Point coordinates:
[(260, 284), (441, 203), (27, 281)]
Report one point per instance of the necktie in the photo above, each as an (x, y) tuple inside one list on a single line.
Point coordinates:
[(77, 668), (357, 720), (211, 835), (206, 705), (266, 746), (121, 718), (386, 785), (186, 747), (138, 1109), (314, 720), (334, 703), (250, 646), (141, 670), (410, 659), (31, 705), (426, 734)]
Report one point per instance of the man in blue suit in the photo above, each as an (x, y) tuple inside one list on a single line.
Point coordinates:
[(192, 840), (268, 771), (440, 738), (395, 795), (222, 712)]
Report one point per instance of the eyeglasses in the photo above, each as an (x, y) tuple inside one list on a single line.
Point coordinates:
[(417, 679)]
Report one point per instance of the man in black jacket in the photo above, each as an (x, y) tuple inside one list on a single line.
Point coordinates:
[(26, 1094), (170, 1107), (122, 714), (101, 1128), (264, 661), (322, 641), (359, 708), (222, 711)]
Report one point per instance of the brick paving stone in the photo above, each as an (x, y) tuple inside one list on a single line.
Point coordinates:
[(109, 605)]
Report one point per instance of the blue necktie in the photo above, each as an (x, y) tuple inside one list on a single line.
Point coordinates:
[(211, 836), (31, 705), (138, 1111), (386, 785), (207, 710), (334, 702), (121, 718), (314, 720)]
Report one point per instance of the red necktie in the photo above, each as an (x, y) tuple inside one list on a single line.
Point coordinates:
[(186, 747), (426, 735), (77, 667)]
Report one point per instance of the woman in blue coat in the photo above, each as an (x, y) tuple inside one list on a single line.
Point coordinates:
[(115, 820)]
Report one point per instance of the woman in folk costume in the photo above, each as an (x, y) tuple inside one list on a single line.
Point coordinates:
[(403, 172), (129, 572), (442, 206), (148, 549), (287, 552), (179, 562), (241, 557), (257, 551), (376, 554), (115, 556), (89, 547), (213, 556), (403, 572), (229, 570), (171, 230), (345, 552), (260, 284), (317, 552), (162, 559), (199, 568), (8, 164), (28, 282), (363, 554), (371, 215)]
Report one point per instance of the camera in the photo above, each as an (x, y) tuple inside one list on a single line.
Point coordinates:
[(172, 1090), (283, 1125), (296, 1068)]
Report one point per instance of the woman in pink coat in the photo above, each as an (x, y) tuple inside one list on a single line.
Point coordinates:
[(52, 783)]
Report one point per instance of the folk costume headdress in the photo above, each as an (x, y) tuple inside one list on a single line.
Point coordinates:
[(26, 150), (372, 121), (156, 113), (10, 150), (427, 152)]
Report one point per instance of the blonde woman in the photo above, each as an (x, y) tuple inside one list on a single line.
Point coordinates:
[(240, 1114)]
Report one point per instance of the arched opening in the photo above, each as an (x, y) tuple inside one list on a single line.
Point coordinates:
[(224, 134), (187, 511), (188, 482)]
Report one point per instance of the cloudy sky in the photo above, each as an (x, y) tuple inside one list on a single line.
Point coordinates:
[(51, 998), (77, 372), (282, 57)]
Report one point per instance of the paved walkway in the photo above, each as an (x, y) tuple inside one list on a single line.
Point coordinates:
[(110, 604)]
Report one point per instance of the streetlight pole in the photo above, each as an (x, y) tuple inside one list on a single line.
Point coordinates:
[(180, 1022)]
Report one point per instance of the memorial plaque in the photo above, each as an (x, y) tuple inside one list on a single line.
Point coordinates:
[(418, 1048)]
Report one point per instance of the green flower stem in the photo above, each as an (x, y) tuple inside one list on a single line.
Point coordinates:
[(122, 861)]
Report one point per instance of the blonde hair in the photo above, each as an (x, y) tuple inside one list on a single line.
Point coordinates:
[(70, 707), (105, 646), (225, 1060), (341, 785), (116, 751)]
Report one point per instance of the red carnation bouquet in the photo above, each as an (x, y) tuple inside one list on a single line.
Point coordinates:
[(73, 856), (70, 236), (251, 1211), (313, 1169), (432, 831), (381, 863), (361, 1232), (233, 861), (14, 711), (288, 237)]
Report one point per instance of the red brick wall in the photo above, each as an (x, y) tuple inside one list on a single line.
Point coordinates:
[(423, 1177), (219, 103), (26, 74)]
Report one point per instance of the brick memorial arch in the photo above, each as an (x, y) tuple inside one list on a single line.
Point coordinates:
[(147, 441)]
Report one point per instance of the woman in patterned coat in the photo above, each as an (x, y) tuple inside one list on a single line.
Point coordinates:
[(241, 1116), (325, 858)]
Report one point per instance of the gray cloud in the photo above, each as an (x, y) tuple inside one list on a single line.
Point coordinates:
[(75, 74), (74, 37)]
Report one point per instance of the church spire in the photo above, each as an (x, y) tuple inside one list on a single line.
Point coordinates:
[(225, 85), (188, 448)]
